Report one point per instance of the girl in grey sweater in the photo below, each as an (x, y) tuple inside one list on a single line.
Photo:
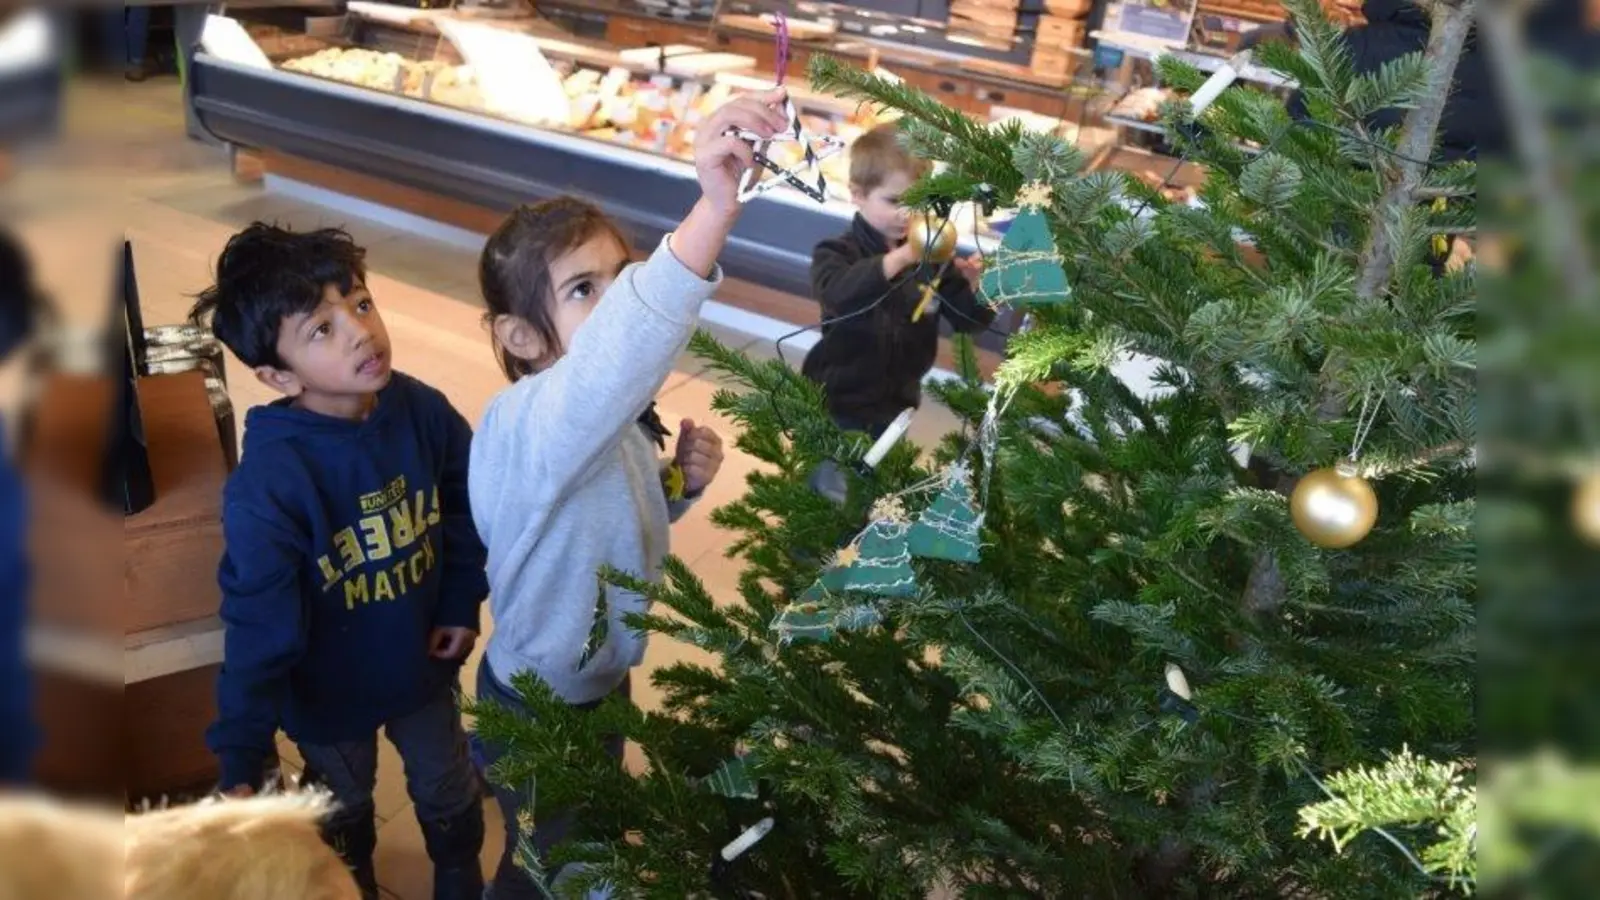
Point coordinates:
[(564, 474)]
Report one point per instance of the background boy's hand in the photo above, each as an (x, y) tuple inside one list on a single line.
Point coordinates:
[(720, 159), (900, 259), (451, 643), (970, 267), (699, 456)]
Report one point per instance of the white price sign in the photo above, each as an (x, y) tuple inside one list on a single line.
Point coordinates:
[(516, 79)]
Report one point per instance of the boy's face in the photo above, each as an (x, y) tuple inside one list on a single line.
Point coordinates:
[(881, 206), (336, 356)]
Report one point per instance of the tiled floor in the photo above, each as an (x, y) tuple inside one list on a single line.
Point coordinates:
[(178, 202)]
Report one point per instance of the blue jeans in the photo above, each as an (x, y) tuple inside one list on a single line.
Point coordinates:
[(511, 881)]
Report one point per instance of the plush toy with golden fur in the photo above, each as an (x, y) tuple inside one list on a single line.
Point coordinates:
[(261, 848), (50, 849)]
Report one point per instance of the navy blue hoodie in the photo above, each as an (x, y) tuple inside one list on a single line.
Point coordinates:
[(347, 542), (17, 733)]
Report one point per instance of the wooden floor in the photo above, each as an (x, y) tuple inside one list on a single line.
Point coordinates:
[(127, 169)]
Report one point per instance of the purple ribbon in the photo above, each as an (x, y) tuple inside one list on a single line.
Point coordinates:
[(780, 23)]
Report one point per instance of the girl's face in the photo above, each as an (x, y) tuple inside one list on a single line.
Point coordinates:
[(578, 279)]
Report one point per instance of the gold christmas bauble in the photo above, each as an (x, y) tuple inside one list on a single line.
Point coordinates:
[(1334, 509), (931, 237), (1586, 508)]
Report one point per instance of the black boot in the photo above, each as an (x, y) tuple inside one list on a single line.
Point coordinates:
[(454, 845), (354, 839)]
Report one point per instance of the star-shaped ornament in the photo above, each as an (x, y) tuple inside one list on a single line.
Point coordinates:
[(889, 509), (1034, 196), (846, 556), (805, 177)]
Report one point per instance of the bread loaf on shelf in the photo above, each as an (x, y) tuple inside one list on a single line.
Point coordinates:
[(1068, 9), (1060, 33), (1051, 61)]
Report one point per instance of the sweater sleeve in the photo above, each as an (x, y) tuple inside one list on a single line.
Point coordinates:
[(542, 435), (464, 585), (843, 285), (263, 634), (961, 306)]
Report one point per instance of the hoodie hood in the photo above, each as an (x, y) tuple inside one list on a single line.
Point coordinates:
[(281, 420)]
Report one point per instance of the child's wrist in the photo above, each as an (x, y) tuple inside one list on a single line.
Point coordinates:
[(722, 212)]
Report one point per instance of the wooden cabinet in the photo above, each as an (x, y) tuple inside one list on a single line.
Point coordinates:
[(107, 732), (172, 548), (625, 32)]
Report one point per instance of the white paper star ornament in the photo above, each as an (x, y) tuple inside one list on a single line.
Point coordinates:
[(805, 177)]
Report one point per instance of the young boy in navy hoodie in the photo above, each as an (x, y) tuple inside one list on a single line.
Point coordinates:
[(352, 574)]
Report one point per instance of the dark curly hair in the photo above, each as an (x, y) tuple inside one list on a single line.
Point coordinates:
[(266, 274)]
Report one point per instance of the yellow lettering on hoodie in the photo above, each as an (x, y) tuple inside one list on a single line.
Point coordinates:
[(349, 548), (377, 538), (402, 533), (419, 520), (382, 589), (330, 575), (355, 589)]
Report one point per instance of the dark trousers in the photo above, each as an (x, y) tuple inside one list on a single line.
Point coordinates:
[(126, 32), (440, 779), (511, 881)]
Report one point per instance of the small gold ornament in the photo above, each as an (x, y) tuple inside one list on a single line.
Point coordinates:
[(931, 237), (846, 556), (1334, 508), (1586, 508)]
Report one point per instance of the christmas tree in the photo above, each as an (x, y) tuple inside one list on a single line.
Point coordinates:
[(1149, 672)]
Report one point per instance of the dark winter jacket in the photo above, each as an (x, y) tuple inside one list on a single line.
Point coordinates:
[(871, 365), (1397, 27)]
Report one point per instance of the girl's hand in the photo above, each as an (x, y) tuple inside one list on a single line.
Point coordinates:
[(720, 158), (699, 456)]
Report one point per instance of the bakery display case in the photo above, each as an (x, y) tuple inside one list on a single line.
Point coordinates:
[(491, 111)]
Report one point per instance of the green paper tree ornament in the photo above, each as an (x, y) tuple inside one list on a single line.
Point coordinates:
[(732, 779), (599, 629), (803, 621), (817, 622), (830, 582), (1025, 270), (883, 563), (950, 527)]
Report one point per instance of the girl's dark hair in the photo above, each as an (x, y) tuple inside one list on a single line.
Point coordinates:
[(514, 270)]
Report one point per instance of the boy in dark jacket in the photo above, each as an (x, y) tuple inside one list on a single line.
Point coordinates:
[(871, 364), (352, 574)]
